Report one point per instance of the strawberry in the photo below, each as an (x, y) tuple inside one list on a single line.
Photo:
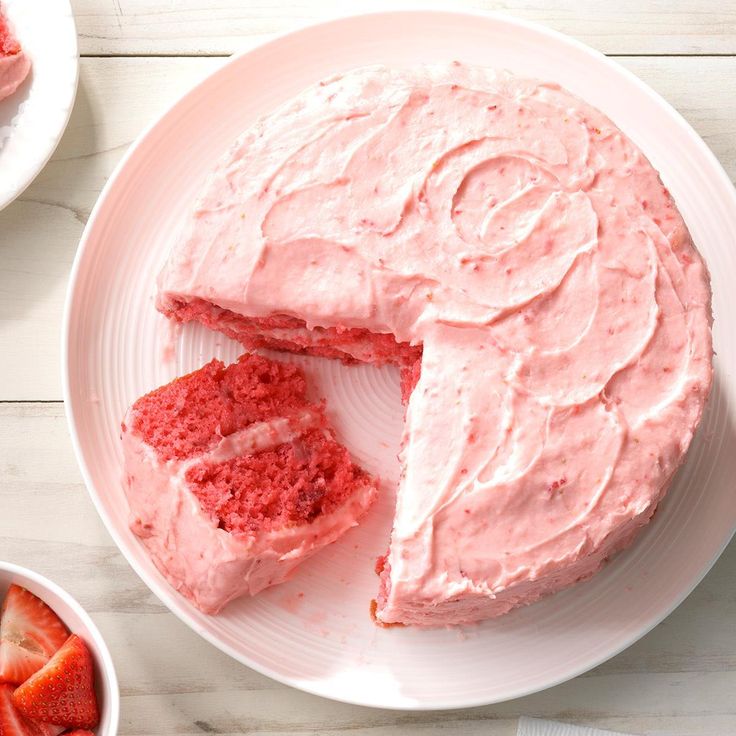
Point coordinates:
[(63, 690), (79, 732), (12, 723), (30, 632)]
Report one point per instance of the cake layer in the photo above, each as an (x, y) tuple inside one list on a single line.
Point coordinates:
[(233, 479), (281, 332), (523, 256), (190, 415)]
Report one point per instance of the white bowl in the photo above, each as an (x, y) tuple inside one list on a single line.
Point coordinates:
[(78, 622)]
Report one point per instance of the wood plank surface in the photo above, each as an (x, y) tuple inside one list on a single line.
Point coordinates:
[(680, 679), (222, 26)]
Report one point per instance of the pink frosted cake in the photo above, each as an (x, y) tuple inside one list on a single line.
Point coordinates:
[(233, 479), (507, 246), (14, 64)]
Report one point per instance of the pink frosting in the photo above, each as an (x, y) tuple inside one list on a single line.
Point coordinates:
[(14, 69), (202, 561), (529, 246)]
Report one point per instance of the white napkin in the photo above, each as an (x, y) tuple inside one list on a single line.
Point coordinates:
[(538, 727)]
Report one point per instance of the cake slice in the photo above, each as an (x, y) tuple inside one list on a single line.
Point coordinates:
[(14, 64), (233, 478), (520, 260)]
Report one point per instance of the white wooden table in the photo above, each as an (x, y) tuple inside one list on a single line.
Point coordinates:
[(138, 56)]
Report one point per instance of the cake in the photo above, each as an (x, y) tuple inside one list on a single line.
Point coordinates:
[(233, 478), (14, 64), (520, 260)]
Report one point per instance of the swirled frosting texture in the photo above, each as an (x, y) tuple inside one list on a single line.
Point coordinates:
[(531, 249)]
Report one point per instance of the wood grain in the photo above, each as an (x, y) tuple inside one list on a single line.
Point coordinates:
[(223, 26), (117, 98), (680, 679)]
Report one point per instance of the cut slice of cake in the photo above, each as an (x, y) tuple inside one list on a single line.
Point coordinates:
[(14, 63), (233, 478)]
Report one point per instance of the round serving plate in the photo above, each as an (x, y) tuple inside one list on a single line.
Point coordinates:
[(315, 632), (34, 117)]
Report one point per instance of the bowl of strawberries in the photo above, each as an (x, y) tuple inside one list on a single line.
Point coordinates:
[(56, 673)]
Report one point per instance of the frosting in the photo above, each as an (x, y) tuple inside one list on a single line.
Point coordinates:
[(529, 247), (202, 561), (14, 69)]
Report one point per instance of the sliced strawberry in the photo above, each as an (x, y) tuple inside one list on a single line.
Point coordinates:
[(13, 723), (79, 732), (63, 690), (30, 632)]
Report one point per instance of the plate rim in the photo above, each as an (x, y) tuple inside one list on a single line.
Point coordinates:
[(62, 129), (169, 597)]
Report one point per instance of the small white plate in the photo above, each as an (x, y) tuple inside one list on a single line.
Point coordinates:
[(315, 632), (33, 118)]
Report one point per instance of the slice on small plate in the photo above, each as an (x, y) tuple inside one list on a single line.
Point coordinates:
[(39, 67)]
